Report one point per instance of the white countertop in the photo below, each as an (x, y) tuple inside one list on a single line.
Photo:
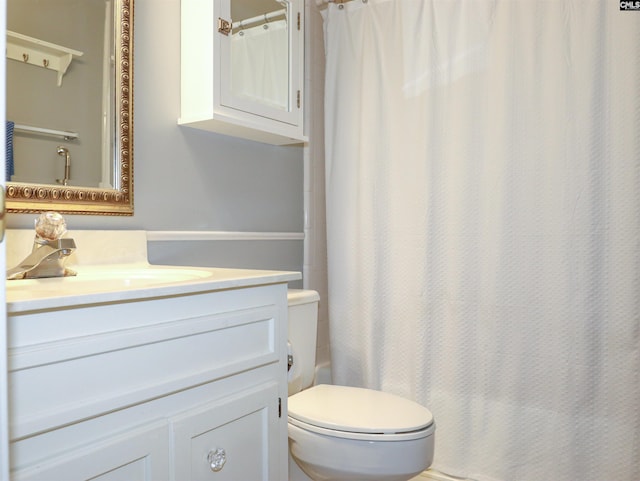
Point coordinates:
[(101, 284), (124, 276), (117, 282)]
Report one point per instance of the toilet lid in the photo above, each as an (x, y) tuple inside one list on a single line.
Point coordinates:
[(358, 410)]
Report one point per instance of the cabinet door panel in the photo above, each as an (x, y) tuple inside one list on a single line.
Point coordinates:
[(259, 63), (240, 432), (137, 455)]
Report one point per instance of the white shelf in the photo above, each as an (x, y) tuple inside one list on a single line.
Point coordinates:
[(65, 134), (40, 53)]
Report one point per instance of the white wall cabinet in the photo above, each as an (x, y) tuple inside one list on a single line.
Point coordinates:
[(242, 68), (156, 388)]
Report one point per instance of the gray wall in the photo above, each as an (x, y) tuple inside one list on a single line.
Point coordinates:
[(187, 179)]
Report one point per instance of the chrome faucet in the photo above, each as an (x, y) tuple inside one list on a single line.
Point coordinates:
[(46, 260)]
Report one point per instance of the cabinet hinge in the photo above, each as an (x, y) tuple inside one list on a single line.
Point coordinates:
[(224, 26), (298, 99), (298, 20), (279, 407)]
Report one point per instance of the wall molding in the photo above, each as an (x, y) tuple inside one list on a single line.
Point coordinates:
[(191, 235)]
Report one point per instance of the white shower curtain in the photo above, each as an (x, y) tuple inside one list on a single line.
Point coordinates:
[(483, 218)]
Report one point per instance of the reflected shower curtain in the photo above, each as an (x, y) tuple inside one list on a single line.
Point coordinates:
[(260, 63), (483, 218)]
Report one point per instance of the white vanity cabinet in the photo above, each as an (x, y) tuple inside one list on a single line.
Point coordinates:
[(242, 68), (151, 384)]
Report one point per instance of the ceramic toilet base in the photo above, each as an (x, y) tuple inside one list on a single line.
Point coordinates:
[(326, 458)]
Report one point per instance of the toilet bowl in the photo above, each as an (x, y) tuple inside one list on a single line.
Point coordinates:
[(342, 433)]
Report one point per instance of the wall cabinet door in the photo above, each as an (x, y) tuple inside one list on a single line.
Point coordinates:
[(242, 67), (234, 439), (137, 455)]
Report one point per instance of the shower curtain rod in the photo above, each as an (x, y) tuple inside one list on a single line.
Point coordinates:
[(260, 18)]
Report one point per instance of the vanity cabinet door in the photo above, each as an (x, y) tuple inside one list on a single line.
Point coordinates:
[(137, 455), (235, 439)]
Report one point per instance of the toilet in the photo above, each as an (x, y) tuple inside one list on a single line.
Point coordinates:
[(342, 433)]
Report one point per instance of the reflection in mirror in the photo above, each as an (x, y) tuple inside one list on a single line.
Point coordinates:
[(71, 127), (260, 52), (79, 104)]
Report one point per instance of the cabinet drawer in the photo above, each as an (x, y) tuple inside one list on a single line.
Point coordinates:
[(58, 383), (234, 432)]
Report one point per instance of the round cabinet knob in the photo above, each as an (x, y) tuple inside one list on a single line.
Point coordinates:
[(217, 457)]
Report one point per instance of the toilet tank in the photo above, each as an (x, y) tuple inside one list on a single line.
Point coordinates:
[(303, 325)]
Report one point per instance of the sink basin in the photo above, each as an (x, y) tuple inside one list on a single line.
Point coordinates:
[(108, 278), (141, 275)]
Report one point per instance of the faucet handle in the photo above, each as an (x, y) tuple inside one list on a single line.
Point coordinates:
[(50, 226)]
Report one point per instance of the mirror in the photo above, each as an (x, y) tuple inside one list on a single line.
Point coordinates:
[(259, 69), (70, 106)]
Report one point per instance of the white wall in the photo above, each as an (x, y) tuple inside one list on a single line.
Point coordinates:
[(315, 261), (192, 180)]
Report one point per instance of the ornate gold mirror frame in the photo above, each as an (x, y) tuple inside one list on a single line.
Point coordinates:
[(30, 198)]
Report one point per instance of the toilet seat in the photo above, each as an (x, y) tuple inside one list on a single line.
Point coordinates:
[(357, 413)]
